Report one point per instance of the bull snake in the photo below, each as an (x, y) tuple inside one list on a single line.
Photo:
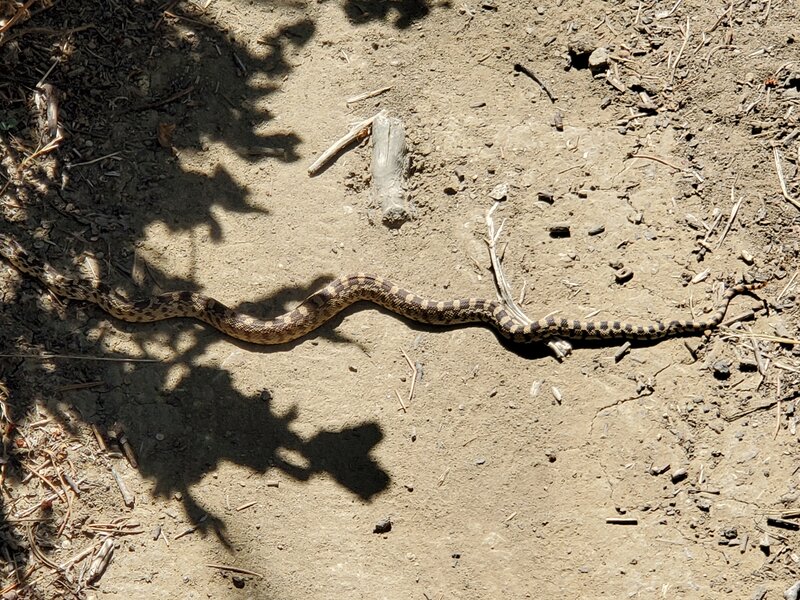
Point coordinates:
[(323, 304)]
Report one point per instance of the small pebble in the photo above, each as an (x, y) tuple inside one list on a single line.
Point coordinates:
[(623, 275), (559, 230), (694, 222), (659, 469), (747, 257), (596, 229), (722, 368), (383, 526), (238, 582), (556, 394), (545, 196), (748, 365), (636, 218), (793, 593), (499, 192), (622, 351), (679, 475), (598, 59)]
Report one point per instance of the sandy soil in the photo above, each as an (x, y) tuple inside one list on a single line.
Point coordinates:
[(499, 477)]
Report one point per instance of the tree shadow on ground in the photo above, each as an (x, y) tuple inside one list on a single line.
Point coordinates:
[(407, 12), (145, 88)]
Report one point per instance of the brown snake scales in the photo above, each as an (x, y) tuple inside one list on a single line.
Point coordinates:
[(323, 304)]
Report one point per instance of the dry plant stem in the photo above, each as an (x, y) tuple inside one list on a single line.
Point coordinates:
[(787, 286), (29, 511), (22, 580), (762, 363), (413, 376), (499, 277), (45, 31), (21, 13), (113, 155), (43, 478), (77, 558), (680, 53), (127, 497), (31, 534), (365, 95), (669, 164), (779, 411), (49, 147), (162, 102), (235, 570), (560, 347), (717, 214), (359, 132), (763, 336), (732, 218), (726, 13), (400, 400), (779, 169)]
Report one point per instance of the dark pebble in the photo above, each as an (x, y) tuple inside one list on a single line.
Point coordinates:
[(659, 469), (623, 275), (383, 526), (597, 230), (545, 196), (679, 475), (559, 230), (722, 368)]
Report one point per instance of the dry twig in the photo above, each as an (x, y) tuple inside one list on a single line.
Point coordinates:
[(779, 169), (357, 133), (365, 95)]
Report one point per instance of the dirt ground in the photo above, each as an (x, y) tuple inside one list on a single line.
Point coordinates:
[(187, 132)]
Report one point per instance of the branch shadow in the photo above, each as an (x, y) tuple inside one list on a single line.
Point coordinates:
[(148, 94)]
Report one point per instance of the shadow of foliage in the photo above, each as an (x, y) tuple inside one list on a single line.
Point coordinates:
[(146, 91), (407, 12)]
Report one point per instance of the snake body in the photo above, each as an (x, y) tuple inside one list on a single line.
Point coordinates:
[(323, 304)]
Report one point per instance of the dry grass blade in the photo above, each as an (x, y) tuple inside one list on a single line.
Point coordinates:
[(784, 189)]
